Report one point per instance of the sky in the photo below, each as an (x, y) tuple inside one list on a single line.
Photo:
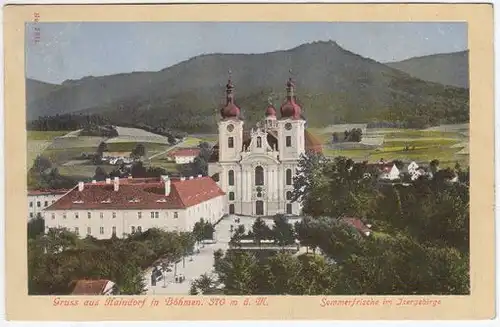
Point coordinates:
[(75, 50)]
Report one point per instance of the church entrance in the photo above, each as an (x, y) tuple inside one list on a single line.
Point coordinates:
[(259, 208), (231, 209)]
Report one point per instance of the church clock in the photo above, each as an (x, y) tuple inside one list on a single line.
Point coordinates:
[(230, 128), (288, 126)]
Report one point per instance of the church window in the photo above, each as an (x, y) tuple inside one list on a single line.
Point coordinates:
[(230, 142), (289, 208), (230, 177), (288, 177), (231, 209), (288, 141), (259, 175), (231, 196), (289, 195), (259, 142)]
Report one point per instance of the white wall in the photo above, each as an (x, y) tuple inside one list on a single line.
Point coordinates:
[(37, 203), (210, 210), (184, 159)]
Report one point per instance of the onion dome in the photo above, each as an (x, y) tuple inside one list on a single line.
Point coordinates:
[(290, 109), (230, 110), (270, 111)]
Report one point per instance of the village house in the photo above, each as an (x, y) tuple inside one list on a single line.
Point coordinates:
[(38, 200), (183, 155), (357, 224), (115, 158), (124, 206), (93, 287)]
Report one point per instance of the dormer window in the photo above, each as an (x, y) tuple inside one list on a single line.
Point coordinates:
[(78, 202), (106, 201), (134, 201), (161, 200)]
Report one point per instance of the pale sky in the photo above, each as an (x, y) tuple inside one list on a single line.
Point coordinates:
[(75, 50)]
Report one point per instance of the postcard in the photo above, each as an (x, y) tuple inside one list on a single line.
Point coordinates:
[(283, 161)]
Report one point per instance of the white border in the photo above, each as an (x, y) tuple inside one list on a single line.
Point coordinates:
[(494, 322)]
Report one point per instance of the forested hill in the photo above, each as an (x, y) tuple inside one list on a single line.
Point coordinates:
[(447, 68), (333, 86)]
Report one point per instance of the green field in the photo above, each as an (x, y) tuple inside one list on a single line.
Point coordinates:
[(83, 171), (151, 148), (44, 135), (421, 146)]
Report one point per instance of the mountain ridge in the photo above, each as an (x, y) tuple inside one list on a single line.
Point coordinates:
[(334, 85)]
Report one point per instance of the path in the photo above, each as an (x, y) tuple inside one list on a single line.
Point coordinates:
[(202, 262), (167, 150)]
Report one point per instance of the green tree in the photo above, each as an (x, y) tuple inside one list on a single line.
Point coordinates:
[(36, 227), (260, 230), (283, 231)]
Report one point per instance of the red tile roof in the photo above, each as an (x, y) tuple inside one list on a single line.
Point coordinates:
[(357, 224), (185, 152), (145, 193), (46, 192), (90, 287)]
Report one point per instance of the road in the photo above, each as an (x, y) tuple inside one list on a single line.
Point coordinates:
[(199, 263), (167, 150)]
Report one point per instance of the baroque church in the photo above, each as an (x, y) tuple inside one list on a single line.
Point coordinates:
[(255, 167)]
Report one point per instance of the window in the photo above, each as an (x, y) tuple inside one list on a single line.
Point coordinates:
[(289, 208), (288, 141), (288, 177), (133, 229), (114, 214), (46, 203), (139, 215), (289, 195), (77, 215), (176, 214), (114, 230), (231, 177), (31, 214), (152, 214), (259, 208), (64, 215), (77, 231), (231, 196), (38, 204), (89, 215), (31, 204), (101, 214), (89, 231), (231, 209), (259, 142), (230, 142), (53, 216), (101, 230), (157, 214), (139, 229), (259, 175)]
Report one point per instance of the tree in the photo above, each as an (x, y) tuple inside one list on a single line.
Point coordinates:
[(100, 174), (139, 151), (260, 230), (41, 164), (283, 231), (103, 147), (36, 227)]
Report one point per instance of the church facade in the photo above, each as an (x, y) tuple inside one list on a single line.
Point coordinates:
[(255, 167)]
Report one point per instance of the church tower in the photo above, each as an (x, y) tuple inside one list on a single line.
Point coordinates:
[(230, 128), (291, 127)]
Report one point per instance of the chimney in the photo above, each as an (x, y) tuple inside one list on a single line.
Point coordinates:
[(191, 177), (183, 178), (166, 180), (94, 181), (116, 183), (80, 186), (199, 176), (130, 177), (108, 180)]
